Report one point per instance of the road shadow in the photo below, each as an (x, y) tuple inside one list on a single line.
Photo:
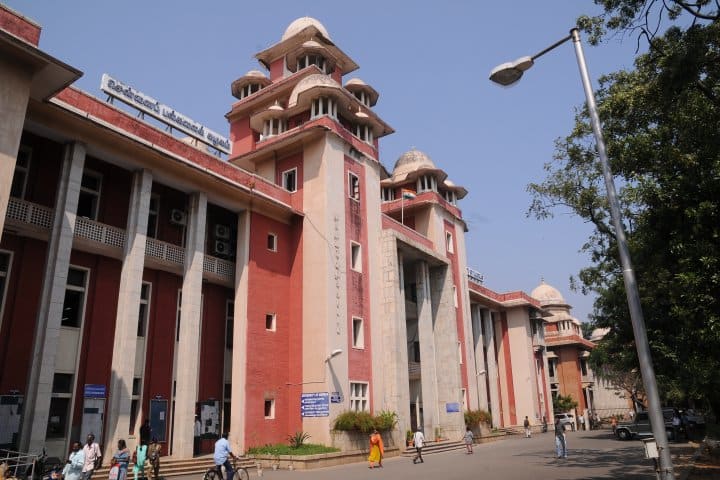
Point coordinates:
[(629, 464)]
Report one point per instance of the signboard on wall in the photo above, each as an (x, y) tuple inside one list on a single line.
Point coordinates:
[(209, 418), (452, 407), (315, 404), (94, 391), (147, 104)]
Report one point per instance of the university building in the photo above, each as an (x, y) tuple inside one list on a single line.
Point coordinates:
[(145, 276)]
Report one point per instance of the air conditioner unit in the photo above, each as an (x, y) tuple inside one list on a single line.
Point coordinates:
[(222, 248), (222, 232), (178, 217)]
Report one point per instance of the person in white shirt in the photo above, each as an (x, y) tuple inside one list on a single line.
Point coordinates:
[(93, 457), (419, 441)]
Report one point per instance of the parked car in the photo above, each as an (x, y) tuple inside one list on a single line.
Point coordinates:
[(640, 426), (566, 419)]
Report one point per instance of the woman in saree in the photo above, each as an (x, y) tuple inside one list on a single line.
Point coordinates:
[(377, 450)]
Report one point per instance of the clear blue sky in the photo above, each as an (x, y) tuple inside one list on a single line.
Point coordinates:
[(429, 60)]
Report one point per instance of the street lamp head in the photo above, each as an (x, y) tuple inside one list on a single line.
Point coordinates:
[(508, 73), (334, 353)]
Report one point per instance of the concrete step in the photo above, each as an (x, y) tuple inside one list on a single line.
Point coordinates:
[(170, 467), (435, 447)]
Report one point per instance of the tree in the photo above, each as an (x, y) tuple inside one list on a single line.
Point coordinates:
[(564, 403), (662, 127)]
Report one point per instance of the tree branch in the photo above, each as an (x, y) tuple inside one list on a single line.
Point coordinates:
[(696, 13)]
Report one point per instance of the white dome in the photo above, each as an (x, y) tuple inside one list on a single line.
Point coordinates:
[(309, 82), (412, 160), (547, 294), (301, 24)]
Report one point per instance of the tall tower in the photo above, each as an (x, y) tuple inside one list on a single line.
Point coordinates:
[(302, 129)]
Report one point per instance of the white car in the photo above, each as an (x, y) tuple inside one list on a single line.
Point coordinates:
[(566, 419)]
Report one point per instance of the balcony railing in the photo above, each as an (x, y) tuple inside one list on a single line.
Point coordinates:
[(40, 216)]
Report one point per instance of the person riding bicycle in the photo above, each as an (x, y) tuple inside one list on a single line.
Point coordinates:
[(222, 452)]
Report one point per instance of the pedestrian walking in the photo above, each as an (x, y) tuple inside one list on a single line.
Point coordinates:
[(526, 424), (76, 460), (93, 457), (377, 450), (560, 440), (139, 458), (469, 437), (121, 459), (581, 421), (154, 457), (419, 441)]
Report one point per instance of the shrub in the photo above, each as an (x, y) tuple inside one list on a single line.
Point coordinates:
[(298, 439), (473, 418), (280, 449), (364, 422)]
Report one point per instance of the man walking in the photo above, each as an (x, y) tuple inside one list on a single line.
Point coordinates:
[(419, 441), (93, 457), (560, 443), (526, 424)]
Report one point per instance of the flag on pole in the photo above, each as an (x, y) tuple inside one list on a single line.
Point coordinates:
[(409, 194)]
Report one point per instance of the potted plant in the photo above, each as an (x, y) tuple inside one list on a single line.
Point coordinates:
[(409, 438)]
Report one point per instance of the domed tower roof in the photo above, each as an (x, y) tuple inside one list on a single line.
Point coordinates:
[(356, 85), (252, 77), (413, 163), (301, 24), (547, 294), (309, 82)]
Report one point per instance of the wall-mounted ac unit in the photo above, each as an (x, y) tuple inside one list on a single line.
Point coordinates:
[(222, 248), (178, 217), (222, 232)]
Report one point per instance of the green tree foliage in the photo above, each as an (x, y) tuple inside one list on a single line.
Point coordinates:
[(351, 420), (474, 418), (564, 403), (662, 127)]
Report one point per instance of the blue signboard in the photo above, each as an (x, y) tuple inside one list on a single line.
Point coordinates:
[(452, 407), (315, 404), (94, 391)]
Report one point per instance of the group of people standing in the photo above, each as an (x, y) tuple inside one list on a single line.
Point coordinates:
[(83, 461)]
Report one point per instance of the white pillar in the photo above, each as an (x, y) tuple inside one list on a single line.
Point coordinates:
[(47, 330), (126, 320), (479, 348), (428, 369), (188, 355), (492, 368), (239, 353), (14, 94)]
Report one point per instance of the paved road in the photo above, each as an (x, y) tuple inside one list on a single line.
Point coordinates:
[(592, 455)]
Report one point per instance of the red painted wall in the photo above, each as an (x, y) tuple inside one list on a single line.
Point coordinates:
[(45, 166), (114, 193), (277, 68), (19, 26), (212, 343), (23, 289), (358, 283), (274, 358), (508, 368), (242, 136)]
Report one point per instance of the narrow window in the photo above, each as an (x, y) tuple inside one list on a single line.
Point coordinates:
[(229, 323), (144, 309), (449, 242), (89, 195), (388, 194), (153, 213), (74, 303), (22, 167), (272, 242), (177, 314), (353, 186), (270, 408), (59, 414), (134, 403), (455, 296), (289, 180), (357, 330), (460, 355), (270, 322), (355, 257)]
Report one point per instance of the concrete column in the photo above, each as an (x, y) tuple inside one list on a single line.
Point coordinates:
[(14, 95), (239, 353), (391, 359), (480, 367), (428, 368), (47, 330), (492, 368), (447, 355), (123, 359), (188, 355)]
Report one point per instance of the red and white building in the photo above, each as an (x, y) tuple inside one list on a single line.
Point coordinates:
[(143, 277)]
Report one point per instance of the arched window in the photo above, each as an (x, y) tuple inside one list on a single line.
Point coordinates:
[(274, 126), (364, 133), (426, 183), (323, 106)]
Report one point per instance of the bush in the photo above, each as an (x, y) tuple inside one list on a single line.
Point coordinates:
[(364, 422), (474, 418), (297, 440), (280, 449)]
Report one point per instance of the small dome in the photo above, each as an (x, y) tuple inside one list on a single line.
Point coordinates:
[(356, 85), (355, 81), (302, 23), (254, 74), (548, 295), (412, 160), (309, 82)]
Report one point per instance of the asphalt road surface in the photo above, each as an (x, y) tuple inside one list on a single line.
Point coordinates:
[(591, 455)]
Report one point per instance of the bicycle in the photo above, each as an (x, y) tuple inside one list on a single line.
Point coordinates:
[(215, 472)]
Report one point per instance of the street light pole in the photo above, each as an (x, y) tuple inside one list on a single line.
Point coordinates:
[(507, 74)]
